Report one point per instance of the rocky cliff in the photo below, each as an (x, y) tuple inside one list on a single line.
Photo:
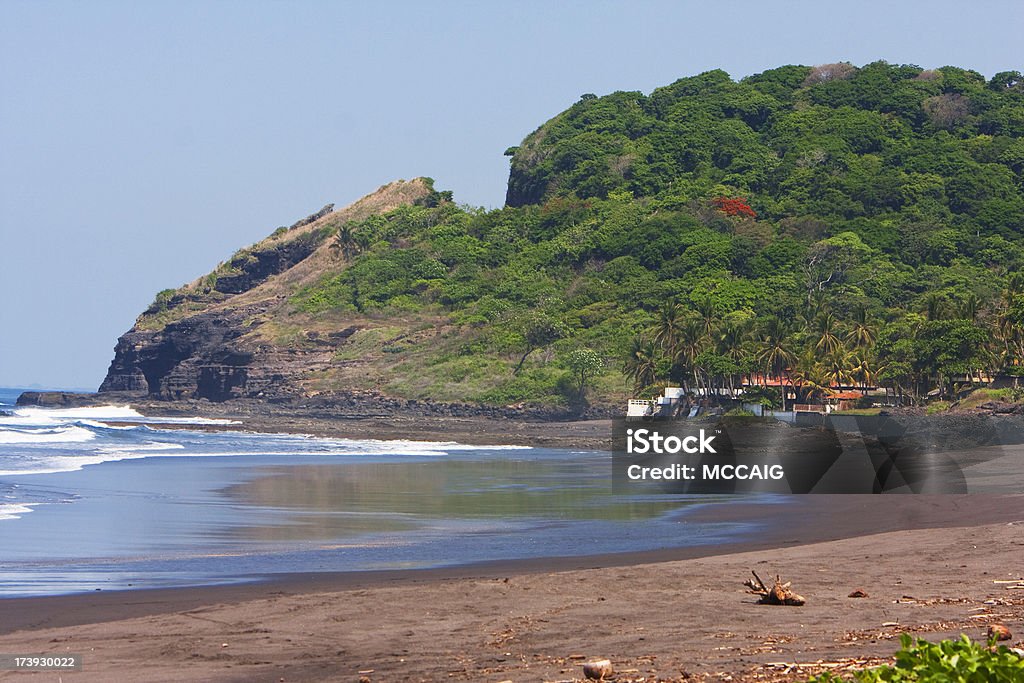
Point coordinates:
[(222, 336)]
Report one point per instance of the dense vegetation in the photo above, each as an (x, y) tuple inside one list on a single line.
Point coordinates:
[(836, 225), (827, 225)]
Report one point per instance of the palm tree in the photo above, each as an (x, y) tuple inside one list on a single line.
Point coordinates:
[(863, 368), (706, 310), (642, 363), (862, 334), (970, 307), (817, 302), (838, 367), (1008, 328), (808, 375), (775, 354), (1011, 338), (689, 345), (347, 242), (825, 331), (732, 343), (934, 306), (666, 331)]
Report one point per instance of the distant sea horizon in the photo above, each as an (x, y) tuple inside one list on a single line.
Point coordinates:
[(17, 389)]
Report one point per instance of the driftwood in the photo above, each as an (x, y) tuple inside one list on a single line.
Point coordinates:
[(778, 594)]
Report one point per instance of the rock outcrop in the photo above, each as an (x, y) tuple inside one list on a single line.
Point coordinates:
[(219, 338)]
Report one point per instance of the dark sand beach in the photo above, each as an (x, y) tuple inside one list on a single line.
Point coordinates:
[(933, 566)]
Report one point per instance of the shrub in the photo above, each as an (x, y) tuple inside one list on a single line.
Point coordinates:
[(949, 660)]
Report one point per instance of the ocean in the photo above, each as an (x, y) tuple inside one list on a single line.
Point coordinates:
[(93, 499)]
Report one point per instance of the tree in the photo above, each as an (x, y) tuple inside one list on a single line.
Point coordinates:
[(347, 242), (716, 369), (666, 333), (947, 348), (673, 324), (708, 316), (1007, 80), (733, 343), (641, 364), (733, 207), (831, 259), (809, 377), (775, 353), (862, 333), (823, 73), (970, 307), (947, 111), (838, 367), (584, 364), (934, 306), (825, 333), (539, 331), (689, 344)]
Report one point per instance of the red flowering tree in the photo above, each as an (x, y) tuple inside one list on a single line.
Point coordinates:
[(733, 207)]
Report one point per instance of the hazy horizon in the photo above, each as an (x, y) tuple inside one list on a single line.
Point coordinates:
[(144, 143)]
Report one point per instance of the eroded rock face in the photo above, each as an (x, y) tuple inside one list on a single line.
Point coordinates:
[(260, 265), (205, 357), (205, 340), (170, 362)]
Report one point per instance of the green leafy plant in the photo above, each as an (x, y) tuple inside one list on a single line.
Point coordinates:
[(948, 661)]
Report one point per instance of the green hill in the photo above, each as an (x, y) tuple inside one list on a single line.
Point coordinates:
[(834, 223)]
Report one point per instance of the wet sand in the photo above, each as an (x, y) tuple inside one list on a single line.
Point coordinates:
[(929, 564)]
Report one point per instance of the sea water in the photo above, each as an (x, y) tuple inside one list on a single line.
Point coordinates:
[(105, 498)]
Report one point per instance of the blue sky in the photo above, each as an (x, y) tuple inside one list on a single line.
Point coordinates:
[(143, 142)]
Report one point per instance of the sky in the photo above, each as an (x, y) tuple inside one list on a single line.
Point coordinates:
[(141, 143)]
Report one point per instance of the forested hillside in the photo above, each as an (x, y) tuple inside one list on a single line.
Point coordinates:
[(833, 224)]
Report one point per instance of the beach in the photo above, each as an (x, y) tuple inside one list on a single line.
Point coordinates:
[(230, 547), (932, 566)]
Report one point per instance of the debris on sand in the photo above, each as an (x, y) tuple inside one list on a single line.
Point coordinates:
[(999, 632), (778, 594), (598, 670)]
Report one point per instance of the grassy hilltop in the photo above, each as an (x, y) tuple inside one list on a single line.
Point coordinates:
[(835, 223)]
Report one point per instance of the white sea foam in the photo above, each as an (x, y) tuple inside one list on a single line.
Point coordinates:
[(110, 412), (70, 434), (80, 437), (64, 463), (24, 421), (104, 425), (13, 510), (97, 416), (406, 447)]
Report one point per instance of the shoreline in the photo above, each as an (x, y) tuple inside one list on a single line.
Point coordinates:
[(802, 520), (593, 435), (927, 562)]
